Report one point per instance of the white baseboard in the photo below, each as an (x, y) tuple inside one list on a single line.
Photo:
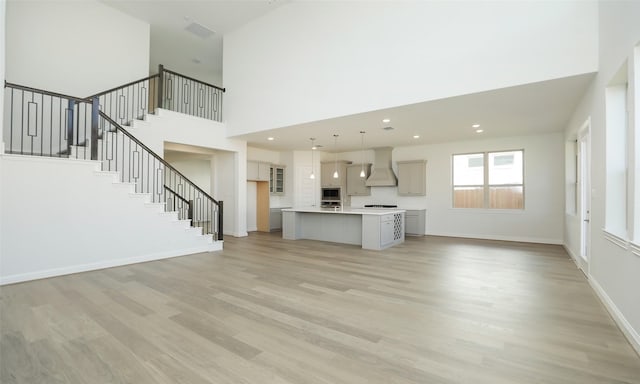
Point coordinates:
[(570, 252), (521, 239), (577, 260), (35, 275), (236, 234), (630, 333)]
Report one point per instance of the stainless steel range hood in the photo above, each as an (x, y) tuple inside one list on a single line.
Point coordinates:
[(382, 175)]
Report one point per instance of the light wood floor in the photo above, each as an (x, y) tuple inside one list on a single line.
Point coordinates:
[(265, 310)]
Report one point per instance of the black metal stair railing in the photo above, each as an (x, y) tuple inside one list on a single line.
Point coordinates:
[(135, 163), (177, 203), (130, 101), (166, 89), (187, 95), (42, 123)]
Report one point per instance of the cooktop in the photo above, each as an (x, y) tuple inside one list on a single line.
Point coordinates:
[(380, 206)]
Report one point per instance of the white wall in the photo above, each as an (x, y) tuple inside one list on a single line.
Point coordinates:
[(229, 171), (196, 170), (74, 47), (59, 216), (306, 191), (613, 271), (264, 155), (352, 57), (232, 190)]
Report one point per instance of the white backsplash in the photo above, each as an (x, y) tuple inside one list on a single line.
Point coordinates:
[(389, 195)]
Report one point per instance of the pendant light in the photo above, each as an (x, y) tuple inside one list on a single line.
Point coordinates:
[(335, 172), (313, 148), (362, 174)]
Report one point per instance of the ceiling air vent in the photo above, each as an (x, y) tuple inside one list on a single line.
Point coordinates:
[(199, 30)]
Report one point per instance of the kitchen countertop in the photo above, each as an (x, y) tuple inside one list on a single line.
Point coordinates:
[(346, 211)]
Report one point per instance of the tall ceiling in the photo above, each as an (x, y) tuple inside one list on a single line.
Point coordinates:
[(521, 110), (180, 50)]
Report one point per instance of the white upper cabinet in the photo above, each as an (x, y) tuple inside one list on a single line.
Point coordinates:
[(355, 184), (257, 171), (327, 170), (412, 176)]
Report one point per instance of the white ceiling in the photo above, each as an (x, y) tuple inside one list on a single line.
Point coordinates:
[(535, 108), (175, 47), (522, 110)]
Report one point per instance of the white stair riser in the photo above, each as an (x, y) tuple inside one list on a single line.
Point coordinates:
[(158, 208)]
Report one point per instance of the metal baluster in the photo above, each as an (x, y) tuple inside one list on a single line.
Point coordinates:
[(11, 125), (126, 114), (22, 126), (41, 124), (84, 151), (51, 128), (61, 129)]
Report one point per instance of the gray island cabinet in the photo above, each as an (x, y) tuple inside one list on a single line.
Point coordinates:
[(370, 228)]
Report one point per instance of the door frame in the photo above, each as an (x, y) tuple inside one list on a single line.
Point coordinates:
[(583, 147)]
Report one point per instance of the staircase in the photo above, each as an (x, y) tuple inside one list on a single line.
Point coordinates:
[(92, 130)]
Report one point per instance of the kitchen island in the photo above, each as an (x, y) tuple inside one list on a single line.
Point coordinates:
[(371, 228)]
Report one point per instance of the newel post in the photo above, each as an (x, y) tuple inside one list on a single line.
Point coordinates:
[(160, 85), (95, 109), (220, 215), (70, 107)]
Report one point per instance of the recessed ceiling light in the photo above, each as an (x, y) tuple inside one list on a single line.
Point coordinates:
[(416, 136), (386, 120), (270, 138), (388, 128), (475, 126), (479, 130)]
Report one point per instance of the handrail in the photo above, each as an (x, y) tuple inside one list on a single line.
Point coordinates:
[(160, 159), (88, 99), (123, 86), (48, 93), (192, 79), (151, 77), (176, 194)]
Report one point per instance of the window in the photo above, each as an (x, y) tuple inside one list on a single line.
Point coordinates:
[(636, 145), (489, 180), (616, 220), (468, 181)]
